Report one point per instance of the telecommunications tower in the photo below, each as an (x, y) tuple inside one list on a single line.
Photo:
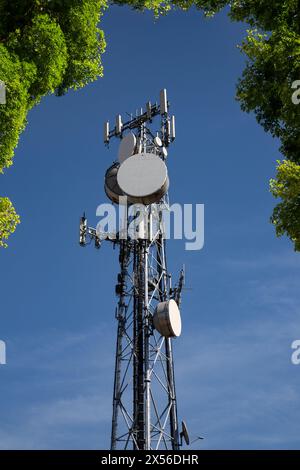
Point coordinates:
[(144, 413)]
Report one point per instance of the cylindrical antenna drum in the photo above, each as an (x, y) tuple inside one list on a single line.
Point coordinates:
[(106, 132), (119, 124), (173, 129), (149, 110), (163, 102), (111, 186), (167, 320)]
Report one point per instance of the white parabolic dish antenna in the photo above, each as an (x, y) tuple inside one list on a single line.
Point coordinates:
[(144, 178), (127, 147), (112, 189), (167, 320), (158, 141)]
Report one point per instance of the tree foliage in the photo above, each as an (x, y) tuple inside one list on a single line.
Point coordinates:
[(51, 46), (273, 50), (8, 220), (159, 7), (46, 46), (286, 186), (272, 47)]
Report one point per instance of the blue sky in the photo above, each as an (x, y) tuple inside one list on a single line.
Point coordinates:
[(235, 382)]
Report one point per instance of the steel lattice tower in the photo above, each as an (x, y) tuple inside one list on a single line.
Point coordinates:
[(144, 395)]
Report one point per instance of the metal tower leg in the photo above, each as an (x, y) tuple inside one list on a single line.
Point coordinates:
[(139, 405), (147, 333), (163, 294), (121, 317), (172, 396)]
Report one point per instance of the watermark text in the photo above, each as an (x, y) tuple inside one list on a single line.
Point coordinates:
[(295, 358), (296, 94), (2, 353), (136, 221)]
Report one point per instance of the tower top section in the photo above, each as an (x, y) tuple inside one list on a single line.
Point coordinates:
[(144, 117)]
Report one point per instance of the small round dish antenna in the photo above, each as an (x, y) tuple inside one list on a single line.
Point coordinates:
[(158, 141), (184, 434), (164, 152), (127, 147)]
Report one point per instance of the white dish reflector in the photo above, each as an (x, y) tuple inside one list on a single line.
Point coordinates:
[(167, 320), (127, 147), (112, 189), (144, 178)]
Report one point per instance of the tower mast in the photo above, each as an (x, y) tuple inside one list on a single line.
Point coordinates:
[(148, 319)]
